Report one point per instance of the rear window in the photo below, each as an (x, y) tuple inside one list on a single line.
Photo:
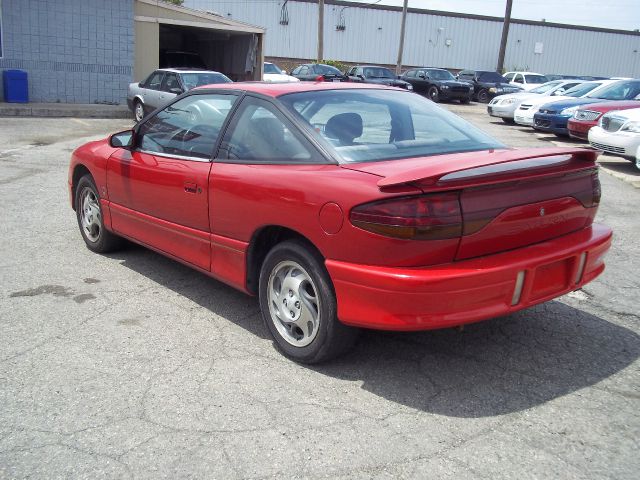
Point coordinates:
[(440, 74), (327, 69), (193, 80), (373, 125)]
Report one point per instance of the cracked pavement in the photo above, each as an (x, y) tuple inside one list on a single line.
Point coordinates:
[(131, 365)]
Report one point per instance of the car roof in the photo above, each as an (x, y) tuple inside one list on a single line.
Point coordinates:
[(277, 89), (527, 73), (371, 66), (185, 70)]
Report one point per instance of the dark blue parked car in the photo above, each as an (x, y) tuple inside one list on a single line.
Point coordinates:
[(554, 116)]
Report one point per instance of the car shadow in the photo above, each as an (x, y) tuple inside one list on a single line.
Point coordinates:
[(620, 166), (490, 368)]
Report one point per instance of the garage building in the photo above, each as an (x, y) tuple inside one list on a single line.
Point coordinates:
[(88, 51)]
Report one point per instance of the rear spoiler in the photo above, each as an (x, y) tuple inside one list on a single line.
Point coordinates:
[(482, 167)]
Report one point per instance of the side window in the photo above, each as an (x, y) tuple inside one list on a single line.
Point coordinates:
[(259, 133), (518, 79), (154, 81), (170, 81), (187, 128), (296, 71), (509, 76), (304, 70), (411, 74), (352, 71)]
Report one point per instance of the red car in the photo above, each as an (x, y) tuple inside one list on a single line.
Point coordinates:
[(587, 116), (343, 206)]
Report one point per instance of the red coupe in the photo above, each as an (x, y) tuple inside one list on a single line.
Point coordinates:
[(587, 116), (343, 206)]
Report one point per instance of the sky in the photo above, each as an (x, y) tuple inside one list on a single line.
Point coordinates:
[(618, 14)]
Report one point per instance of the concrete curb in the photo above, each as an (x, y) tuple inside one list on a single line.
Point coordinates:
[(64, 110)]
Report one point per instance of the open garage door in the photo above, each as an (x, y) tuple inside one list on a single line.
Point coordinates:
[(171, 36)]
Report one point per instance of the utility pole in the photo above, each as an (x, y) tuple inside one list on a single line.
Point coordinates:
[(401, 46), (505, 34), (320, 30)]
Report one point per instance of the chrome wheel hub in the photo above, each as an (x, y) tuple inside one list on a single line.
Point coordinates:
[(139, 111), (90, 216), (294, 305)]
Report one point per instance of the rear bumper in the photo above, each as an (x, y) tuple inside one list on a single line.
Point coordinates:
[(466, 291), (580, 130)]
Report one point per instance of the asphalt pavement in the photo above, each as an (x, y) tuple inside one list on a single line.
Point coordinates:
[(131, 365)]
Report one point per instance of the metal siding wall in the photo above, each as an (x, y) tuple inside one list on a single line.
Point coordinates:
[(474, 42)]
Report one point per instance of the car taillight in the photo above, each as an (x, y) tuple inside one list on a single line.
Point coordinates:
[(319, 78), (590, 197), (425, 217)]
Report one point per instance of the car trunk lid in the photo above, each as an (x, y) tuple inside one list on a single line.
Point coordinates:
[(508, 198)]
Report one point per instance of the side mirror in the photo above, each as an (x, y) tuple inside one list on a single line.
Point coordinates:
[(361, 77), (140, 84), (421, 75), (176, 90), (122, 139)]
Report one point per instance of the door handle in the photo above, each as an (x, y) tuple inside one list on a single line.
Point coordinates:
[(190, 187)]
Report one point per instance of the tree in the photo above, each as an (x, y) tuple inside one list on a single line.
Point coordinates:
[(175, 2)]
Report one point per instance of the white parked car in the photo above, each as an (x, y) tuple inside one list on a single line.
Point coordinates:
[(504, 106), (618, 133), (526, 80), (164, 84), (273, 73), (528, 108)]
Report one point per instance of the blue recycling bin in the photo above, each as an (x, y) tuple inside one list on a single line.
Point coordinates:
[(15, 86)]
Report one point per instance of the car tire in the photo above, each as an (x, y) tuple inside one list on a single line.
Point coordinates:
[(298, 305), (509, 121), (433, 94), (90, 219), (465, 100), (138, 110), (483, 96)]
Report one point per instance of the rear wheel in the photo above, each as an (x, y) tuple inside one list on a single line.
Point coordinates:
[(90, 219), (483, 96), (138, 110), (299, 307), (433, 93)]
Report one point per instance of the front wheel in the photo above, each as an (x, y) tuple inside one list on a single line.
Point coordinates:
[(433, 94), (483, 96), (508, 121), (298, 305), (90, 220)]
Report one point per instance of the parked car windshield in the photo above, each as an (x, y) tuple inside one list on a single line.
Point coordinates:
[(544, 88), (440, 75), (536, 78), (327, 69), (582, 89), (491, 77), (619, 91), (378, 72), (372, 125), (272, 68), (193, 80)]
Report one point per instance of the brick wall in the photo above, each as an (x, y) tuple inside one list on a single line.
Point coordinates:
[(74, 51)]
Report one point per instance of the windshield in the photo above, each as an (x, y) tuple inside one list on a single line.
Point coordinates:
[(272, 68), (618, 91), (546, 87), (491, 77), (373, 125), (440, 75), (193, 80), (327, 69), (582, 89), (536, 78), (378, 72)]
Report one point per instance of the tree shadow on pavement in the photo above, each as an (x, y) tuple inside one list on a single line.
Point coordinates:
[(490, 368)]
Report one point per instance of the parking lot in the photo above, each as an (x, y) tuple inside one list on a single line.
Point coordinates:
[(132, 365)]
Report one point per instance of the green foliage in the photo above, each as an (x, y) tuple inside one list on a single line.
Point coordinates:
[(334, 63), (175, 2)]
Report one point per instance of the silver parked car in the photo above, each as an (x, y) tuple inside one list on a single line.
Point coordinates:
[(164, 84)]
